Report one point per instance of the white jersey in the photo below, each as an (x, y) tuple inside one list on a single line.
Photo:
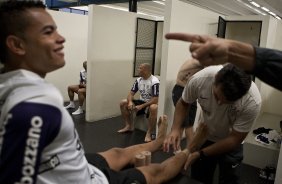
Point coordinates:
[(83, 76), (239, 115), (38, 140), (148, 88)]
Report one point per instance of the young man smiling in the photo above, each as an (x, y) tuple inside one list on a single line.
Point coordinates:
[(38, 140)]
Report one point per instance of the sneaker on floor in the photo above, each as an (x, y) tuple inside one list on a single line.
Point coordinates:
[(263, 173), (262, 138), (77, 112), (70, 106), (261, 130), (272, 172)]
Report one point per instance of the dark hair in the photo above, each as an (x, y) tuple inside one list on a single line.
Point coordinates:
[(233, 82), (13, 21)]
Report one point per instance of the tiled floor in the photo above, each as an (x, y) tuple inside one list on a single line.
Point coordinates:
[(102, 135)]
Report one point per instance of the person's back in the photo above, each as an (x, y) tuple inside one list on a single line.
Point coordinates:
[(187, 70)]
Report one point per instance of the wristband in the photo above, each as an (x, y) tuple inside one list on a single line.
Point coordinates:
[(202, 154)]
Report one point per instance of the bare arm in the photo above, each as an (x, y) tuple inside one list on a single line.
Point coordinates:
[(129, 99), (229, 143), (174, 137), (225, 145), (181, 110)]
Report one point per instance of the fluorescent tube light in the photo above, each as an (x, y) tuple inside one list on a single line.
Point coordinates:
[(265, 9), (271, 13), (255, 4), (162, 3)]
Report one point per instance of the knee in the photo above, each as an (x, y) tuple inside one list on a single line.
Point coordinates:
[(123, 103), (117, 151), (81, 92), (153, 173), (72, 89), (153, 109)]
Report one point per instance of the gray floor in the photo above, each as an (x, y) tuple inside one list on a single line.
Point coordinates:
[(102, 135)]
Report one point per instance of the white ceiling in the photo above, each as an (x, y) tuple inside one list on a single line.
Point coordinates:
[(225, 7), (238, 7)]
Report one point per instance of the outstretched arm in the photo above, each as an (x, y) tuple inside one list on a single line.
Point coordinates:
[(264, 63), (213, 51)]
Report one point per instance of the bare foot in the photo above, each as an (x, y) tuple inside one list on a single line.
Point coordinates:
[(162, 127), (126, 129), (186, 152), (148, 137)]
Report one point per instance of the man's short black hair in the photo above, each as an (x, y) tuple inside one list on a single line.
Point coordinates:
[(13, 21), (233, 82)]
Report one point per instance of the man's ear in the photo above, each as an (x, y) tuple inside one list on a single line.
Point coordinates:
[(15, 45)]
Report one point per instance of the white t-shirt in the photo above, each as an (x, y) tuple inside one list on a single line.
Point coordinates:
[(148, 88), (83, 76), (221, 118), (38, 139)]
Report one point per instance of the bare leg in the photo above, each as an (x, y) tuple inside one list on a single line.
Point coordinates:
[(159, 173), (81, 96), (118, 158), (152, 122), (126, 117), (71, 90)]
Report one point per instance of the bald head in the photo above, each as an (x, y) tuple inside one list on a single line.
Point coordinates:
[(145, 70), (147, 67)]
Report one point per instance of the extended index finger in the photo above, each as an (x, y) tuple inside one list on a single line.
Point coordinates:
[(183, 37)]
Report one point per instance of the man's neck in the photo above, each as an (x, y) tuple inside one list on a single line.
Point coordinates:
[(147, 76)]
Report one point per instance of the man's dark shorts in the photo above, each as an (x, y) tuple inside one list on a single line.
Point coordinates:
[(127, 176), (190, 118), (142, 111)]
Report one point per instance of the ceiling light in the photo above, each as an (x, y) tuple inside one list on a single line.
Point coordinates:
[(114, 7), (255, 4), (162, 3), (265, 9), (126, 9), (251, 7), (259, 12), (271, 13), (84, 8)]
